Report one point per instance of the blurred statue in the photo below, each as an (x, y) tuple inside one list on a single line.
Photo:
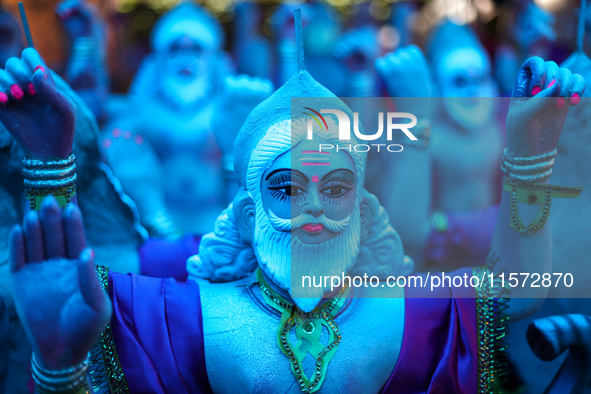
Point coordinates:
[(251, 49), (454, 222), (358, 49), (164, 150), (534, 30), (87, 68), (533, 33), (287, 219), (403, 15)]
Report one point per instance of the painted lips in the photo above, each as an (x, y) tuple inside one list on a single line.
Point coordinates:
[(313, 228)]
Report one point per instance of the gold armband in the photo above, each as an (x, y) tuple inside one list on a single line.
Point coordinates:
[(534, 193)]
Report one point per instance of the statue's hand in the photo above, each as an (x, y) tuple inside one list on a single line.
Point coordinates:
[(39, 116), (405, 73), (358, 48), (240, 96), (57, 294), (534, 25), (542, 95), (78, 17)]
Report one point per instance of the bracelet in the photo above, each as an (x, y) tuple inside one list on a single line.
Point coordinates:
[(50, 178), (530, 169), (521, 161), (83, 48), (532, 193), (67, 381), (422, 130)]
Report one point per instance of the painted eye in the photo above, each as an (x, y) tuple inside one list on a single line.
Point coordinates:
[(335, 191), (291, 190)]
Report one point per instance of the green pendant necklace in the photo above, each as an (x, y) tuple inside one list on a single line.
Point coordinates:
[(308, 328)]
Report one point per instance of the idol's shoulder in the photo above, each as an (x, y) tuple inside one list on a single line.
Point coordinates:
[(218, 294)]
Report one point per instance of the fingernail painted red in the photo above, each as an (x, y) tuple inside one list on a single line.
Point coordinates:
[(575, 99), (536, 90), (139, 140), (560, 102), (39, 67), (116, 132), (31, 89), (16, 91), (3, 97), (551, 84)]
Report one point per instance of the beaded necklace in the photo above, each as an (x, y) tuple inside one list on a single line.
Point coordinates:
[(308, 328)]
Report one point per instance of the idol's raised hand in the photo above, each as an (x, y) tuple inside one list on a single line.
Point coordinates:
[(79, 17), (405, 73), (358, 48), (57, 294), (39, 116), (542, 95)]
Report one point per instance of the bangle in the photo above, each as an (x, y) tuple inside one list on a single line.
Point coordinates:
[(534, 193), (530, 169), (83, 48), (50, 178), (67, 381)]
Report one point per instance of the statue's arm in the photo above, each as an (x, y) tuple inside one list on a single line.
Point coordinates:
[(406, 189), (86, 71), (57, 294), (534, 125)]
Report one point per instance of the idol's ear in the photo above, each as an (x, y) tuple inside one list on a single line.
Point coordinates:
[(245, 214), (380, 252), (367, 209)]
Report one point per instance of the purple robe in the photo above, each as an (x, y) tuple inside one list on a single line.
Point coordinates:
[(157, 331), (161, 258)]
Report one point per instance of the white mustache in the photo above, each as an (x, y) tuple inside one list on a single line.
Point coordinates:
[(336, 226)]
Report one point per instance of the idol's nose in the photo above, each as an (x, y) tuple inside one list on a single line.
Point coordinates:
[(313, 206)]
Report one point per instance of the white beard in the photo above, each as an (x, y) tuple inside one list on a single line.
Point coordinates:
[(185, 94), (277, 252)]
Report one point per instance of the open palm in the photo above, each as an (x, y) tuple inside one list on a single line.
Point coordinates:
[(57, 294)]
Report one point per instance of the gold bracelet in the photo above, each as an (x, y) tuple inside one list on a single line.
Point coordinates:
[(534, 193), (63, 196)]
